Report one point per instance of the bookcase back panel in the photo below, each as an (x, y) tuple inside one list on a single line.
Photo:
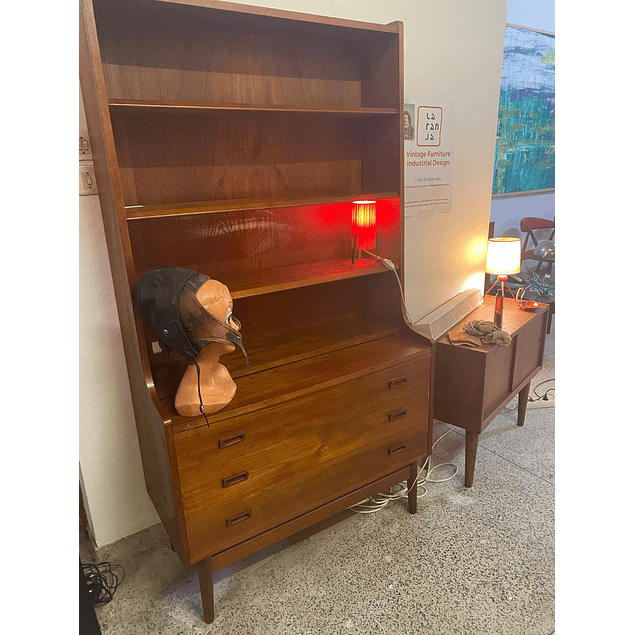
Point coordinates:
[(177, 158), (184, 53), (251, 241)]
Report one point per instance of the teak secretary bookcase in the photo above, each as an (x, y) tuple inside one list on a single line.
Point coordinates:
[(232, 140)]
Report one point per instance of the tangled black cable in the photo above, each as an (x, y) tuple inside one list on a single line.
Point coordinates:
[(546, 392), (102, 581)]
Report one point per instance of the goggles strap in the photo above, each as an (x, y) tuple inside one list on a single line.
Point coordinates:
[(237, 340)]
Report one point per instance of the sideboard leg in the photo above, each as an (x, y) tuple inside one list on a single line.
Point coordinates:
[(206, 583), (412, 488), (471, 445), (523, 397)]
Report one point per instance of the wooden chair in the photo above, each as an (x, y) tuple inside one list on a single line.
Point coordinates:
[(528, 226)]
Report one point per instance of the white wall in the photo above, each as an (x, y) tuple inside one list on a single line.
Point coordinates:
[(453, 50), (114, 489), (508, 212), (535, 14)]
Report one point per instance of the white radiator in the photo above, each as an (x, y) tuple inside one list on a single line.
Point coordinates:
[(441, 320)]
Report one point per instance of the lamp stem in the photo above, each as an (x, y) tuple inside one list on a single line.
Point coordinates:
[(500, 296)]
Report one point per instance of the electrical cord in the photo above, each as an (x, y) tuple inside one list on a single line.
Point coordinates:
[(538, 396), (378, 501), (544, 395), (389, 264), (102, 581)]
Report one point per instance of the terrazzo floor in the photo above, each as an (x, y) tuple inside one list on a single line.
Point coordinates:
[(471, 561)]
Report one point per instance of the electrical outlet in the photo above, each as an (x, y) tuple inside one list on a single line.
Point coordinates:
[(541, 403), (87, 182), (85, 149)]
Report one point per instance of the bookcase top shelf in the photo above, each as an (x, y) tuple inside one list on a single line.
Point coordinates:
[(249, 14)]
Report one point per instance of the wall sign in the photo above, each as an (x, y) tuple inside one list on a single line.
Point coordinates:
[(429, 157)]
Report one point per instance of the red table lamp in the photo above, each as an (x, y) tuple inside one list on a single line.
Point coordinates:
[(503, 259), (364, 226)]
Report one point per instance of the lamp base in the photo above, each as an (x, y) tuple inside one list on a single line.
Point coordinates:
[(500, 295), (498, 310)]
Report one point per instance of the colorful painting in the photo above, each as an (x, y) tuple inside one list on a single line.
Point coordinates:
[(525, 138)]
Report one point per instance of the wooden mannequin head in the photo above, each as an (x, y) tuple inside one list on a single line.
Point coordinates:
[(217, 386), (215, 297)]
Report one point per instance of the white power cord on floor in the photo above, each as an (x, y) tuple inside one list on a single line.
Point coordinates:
[(380, 500)]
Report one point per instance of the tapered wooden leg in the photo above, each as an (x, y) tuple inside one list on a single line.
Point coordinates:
[(412, 488), (206, 583), (523, 397), (471, 445)]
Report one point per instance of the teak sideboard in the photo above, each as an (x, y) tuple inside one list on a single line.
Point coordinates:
[(232, 140), (472, 385)]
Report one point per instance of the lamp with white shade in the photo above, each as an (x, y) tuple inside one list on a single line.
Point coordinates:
[(503, 260)]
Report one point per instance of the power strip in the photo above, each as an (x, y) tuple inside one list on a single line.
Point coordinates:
[(542, 403)]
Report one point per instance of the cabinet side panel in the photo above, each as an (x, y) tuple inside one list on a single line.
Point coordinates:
[(149, 423), (380, 86), (383, 141)]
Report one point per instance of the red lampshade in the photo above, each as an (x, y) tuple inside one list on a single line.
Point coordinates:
[(364, 224)]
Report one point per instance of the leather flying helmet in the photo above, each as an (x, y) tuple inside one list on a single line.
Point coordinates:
[(167, 299)]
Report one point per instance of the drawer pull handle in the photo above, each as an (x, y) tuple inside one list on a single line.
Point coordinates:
[(395, 383), (396, 449), (227, 441), (235, 478), (397, 414), (238, 518)]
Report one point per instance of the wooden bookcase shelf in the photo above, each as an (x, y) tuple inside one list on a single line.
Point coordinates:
[(232, 140), (138, 212), (262, 282), (278, 349), (305, 376), (271, 350), (255, 283), (132, 105)]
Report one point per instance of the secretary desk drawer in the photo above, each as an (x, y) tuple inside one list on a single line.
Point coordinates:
[(212, 527), (246, 434), (246, 473), (206, 482)]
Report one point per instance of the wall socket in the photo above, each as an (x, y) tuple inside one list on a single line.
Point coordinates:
[(85, 149), (87, 182)]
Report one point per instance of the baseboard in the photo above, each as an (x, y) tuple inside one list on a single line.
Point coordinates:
[(129, 546)]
